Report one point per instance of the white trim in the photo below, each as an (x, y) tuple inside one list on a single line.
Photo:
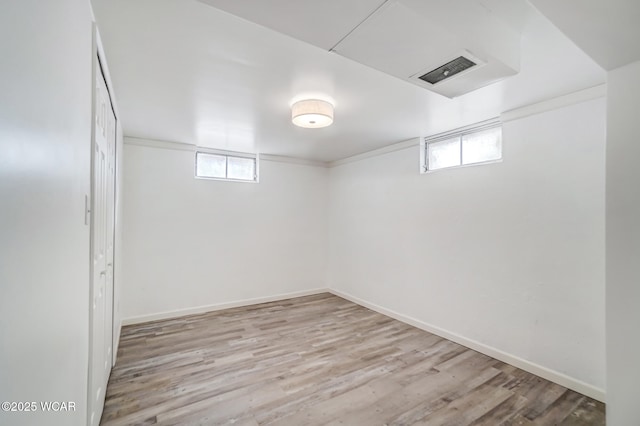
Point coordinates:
[(555, 103), (95, 67), (116, 345), (538, 370), (465, 130), (293, 160), (105, 71), (409, 143), (179, 146), (219, 306), (236, 154), (154, 143)]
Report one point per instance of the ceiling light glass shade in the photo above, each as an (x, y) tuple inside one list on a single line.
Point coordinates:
[(312, 113)]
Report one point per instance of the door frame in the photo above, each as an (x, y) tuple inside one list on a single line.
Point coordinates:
[(99, 66), (98, 52)]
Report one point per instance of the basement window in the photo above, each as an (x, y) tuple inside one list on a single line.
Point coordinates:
[(227, 166), (476, 144)]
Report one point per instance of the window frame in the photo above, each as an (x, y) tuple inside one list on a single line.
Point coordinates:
[(458, 134), (227, 154)]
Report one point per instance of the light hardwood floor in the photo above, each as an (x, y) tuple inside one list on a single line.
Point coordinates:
[(320, 360)]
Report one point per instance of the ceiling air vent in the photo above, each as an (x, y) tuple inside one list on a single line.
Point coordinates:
[(447, 70)]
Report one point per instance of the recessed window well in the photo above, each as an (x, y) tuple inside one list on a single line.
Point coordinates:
[(223, 166), (476, 144)]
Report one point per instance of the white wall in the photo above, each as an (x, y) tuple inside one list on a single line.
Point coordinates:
[(623, 245), (509, 255), (196, 242), (45, 139)]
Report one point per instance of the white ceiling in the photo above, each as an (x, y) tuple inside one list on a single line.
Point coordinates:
[(406, 38), (187, 72), (321, 23), (609, 31)]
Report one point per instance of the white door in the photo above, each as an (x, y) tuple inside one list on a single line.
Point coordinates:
[(102, 222)]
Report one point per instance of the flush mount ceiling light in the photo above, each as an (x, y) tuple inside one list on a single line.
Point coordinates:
[(312, 113)]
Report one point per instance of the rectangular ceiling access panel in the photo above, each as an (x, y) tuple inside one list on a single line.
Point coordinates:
[(410, 38)]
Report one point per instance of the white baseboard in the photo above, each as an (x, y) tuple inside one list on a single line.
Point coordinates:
[(116, 345), (538, 370), (219, 306)]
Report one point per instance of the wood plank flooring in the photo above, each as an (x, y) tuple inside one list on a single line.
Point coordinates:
[(321, 360)]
